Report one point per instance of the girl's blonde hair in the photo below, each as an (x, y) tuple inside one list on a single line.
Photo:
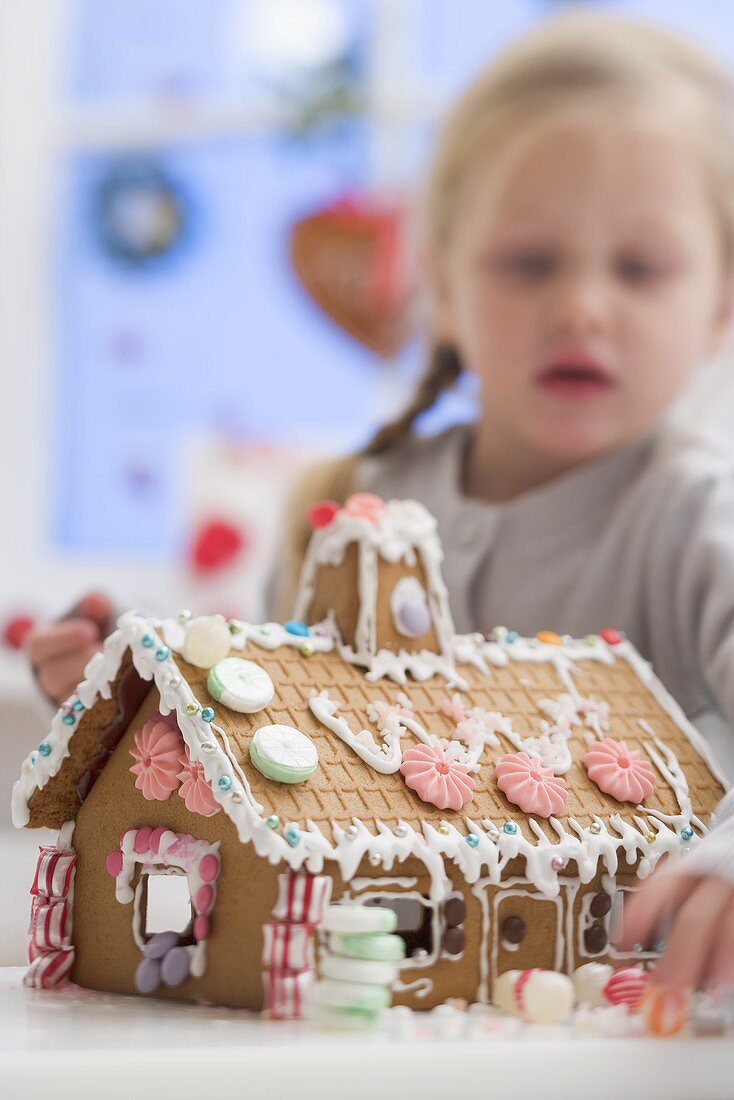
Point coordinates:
[(573, 62)]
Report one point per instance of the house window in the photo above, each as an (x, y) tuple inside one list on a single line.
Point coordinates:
[(165, 903), (415, 916)]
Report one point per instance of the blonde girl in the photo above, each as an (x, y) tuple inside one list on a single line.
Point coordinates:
[(579, 242)]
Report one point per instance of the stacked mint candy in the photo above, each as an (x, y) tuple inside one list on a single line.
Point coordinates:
[(359, 963)]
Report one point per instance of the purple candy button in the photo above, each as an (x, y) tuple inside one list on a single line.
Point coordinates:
[(159, 944), (415, 618), (175, 966), (148, 976)]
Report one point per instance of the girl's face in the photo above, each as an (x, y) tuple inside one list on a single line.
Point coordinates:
[(583, 284)]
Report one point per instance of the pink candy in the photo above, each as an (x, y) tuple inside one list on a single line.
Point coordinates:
[(113, 863), (204, 899), (209, 867), (627, 987), (437, 778), (529, 785), (620, 772)]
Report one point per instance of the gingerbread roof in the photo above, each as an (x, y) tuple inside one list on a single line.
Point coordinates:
[(357, 803)]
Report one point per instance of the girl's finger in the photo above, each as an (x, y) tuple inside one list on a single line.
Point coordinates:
[(49, 642), (650, 905), (59, 677), (694, 934), (720, 970)]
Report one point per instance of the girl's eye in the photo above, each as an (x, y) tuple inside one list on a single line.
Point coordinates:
[(528, 265), (636, 269)]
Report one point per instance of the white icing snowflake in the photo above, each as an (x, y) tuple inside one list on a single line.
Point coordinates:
[(454, 708), (595, 713), (562, 711), (389, 716)]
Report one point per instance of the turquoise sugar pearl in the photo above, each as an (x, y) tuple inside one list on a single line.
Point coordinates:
[(510, 827), (207, 714), (511, 636), (686, 833), (44, 748), (77, 705), (472, 840), (225, 782), (294, 626), (273, 822), (68, 719), (292, 835), (148, 641), (162, 653)]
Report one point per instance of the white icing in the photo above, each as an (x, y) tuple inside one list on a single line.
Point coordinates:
[(420, 987), (650, 835)]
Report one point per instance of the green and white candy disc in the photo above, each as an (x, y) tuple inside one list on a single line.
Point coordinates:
[(283, 753), (240, 685)]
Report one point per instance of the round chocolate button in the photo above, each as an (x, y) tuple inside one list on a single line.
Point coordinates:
[(514, 929), (595, 939), (600, 905), (454, 912), (454, 941)]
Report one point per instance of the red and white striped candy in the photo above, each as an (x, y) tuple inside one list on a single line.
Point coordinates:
[(287, 992), (302, 897), (49, 925), (49, 969), (54, 872), (288, 946), (626, 987)]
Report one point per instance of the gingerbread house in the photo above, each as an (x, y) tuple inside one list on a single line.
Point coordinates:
[(499, 795)]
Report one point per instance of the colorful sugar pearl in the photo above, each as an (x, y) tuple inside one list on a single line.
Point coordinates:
[(665, 1011), (296, 627), (45, 748)]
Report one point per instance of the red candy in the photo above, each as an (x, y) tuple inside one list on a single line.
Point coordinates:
[(627, 987), (142, 840), (202, 928), (216, 543), (155, 840), (113, 863), (611, 636), (322, 513), (209, 868), (16, 630), (204, 899)]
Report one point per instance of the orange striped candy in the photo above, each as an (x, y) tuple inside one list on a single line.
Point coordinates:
[(665, 1010)]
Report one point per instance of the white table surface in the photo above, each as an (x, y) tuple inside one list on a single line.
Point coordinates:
[(74, 1044)]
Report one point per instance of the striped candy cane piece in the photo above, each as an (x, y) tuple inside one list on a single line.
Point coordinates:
[(54, 872), (49, 969), (302, 897), (287, 992), (288, 946), (627, 987), (49, 925)]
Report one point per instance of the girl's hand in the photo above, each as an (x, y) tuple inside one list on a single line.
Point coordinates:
[(700, 948), (59, 652)]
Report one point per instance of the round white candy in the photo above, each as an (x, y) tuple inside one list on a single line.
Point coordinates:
[(283, 753), (208, 640), (364, 971), (589, 981), (503, 992), (547, 997), (241, 685)]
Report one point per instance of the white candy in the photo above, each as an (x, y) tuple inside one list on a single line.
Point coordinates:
[(240, 685), (357, 970), (589, 981), (208, 640), (503, 993), (547, 997)]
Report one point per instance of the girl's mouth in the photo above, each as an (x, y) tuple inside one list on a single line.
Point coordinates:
[(575, 378)]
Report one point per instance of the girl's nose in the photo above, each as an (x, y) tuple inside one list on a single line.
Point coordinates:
[(580, 307)]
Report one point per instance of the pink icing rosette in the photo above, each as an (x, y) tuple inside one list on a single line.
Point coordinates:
[(621, 772), (437, 778), (156, 754), (195, 788), (365, 506), (529, 785)]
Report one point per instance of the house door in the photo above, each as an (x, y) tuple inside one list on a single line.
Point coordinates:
[(526, 930)]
